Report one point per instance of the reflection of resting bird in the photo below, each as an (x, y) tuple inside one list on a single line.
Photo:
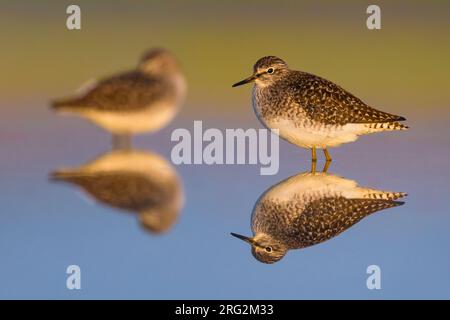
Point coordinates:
[(308, 209), (142, 100), (135, 181), (310, 111)]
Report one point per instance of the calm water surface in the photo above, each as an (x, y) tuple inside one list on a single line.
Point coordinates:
[(46, 226)]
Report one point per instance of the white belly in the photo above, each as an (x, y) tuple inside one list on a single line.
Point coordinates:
[(319, 136), (147, 120)]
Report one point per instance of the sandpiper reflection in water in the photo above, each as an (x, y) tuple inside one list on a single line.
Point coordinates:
[(135, 181), (141, 100), (310, 208)]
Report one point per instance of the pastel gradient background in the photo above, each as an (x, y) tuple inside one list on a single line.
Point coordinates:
[(404, 68)]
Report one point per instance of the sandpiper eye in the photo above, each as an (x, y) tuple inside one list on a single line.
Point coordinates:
[(268, 249), (270, 70)]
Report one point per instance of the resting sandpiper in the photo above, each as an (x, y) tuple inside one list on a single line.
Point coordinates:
[(310, 111), (134, 181), (141, 100), (308, 209)]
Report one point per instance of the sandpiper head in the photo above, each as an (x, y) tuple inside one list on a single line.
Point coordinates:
[(158, 62), (266, 71), (264, 248)]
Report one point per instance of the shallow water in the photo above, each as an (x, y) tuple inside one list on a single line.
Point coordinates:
[(46, 226)]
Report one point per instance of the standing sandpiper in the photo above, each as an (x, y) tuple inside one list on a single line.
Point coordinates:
[(141, 100), (310, 111), (308, 209)]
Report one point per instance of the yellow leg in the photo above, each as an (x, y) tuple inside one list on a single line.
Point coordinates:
[(313, 167), (327, 155), (326, 166), (313, 160), (313, 154), (121, 141)]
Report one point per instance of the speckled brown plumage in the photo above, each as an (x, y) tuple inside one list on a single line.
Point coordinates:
[(134, 181), (321, 100), (124, 190), (310, 111), (308, 209), (326, 102), (124, 93), (298, 224), (140, 100)]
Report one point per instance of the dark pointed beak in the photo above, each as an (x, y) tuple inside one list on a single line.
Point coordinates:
[(243, 238), (249, 79)]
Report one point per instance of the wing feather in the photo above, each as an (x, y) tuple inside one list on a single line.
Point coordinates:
[(125, 92), (325, 218), (325, 101)]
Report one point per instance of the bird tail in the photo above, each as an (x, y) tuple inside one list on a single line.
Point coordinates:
[(385, 126), (381, 204), (384, 195), (396, 126)]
